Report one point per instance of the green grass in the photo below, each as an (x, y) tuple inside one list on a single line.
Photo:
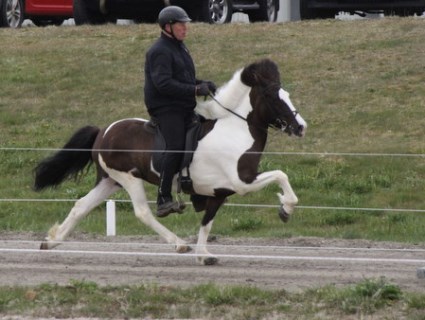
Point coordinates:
[(375, 298), (359, 84)]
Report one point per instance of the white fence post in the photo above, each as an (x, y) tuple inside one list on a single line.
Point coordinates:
[(110, 218)]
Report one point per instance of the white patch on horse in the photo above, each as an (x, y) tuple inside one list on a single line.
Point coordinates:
[(227, 142), (230, 96)]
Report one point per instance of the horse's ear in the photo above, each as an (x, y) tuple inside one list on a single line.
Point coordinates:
[(249, 75)]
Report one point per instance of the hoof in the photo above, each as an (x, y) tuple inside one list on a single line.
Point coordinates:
[(183, 249), (212, 238), (44, 246), (210, 261), (283, 215)]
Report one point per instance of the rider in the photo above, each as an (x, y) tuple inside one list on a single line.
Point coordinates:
[(170, 92)]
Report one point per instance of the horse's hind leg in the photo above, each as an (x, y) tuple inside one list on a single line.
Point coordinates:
[(82, 207), (134, 187)]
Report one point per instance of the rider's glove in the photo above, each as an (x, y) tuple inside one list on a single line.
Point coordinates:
[(202, 89), (212, 87)]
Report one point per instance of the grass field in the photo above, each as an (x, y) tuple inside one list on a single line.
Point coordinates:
[(359, 85), (370, 299)]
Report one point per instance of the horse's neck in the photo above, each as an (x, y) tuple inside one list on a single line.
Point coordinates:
[(233, 96)]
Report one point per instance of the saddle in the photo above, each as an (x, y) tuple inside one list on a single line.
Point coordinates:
[(192, 136)]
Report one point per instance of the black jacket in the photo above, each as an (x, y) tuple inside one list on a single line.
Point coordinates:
[(170, 80)]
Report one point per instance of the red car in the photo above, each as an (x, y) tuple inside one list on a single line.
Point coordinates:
[(43, 12)]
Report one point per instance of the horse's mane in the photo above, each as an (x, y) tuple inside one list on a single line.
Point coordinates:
[(229, 95)]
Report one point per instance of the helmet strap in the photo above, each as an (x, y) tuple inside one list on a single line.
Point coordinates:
[(171, 33)]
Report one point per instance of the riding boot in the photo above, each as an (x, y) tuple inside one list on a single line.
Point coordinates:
[(166, 206), (165, 202), (173, 128)]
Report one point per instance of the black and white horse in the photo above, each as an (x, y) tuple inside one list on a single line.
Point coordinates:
[(225, 162)]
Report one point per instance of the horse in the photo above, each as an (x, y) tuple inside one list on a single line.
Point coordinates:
[(232, 139)]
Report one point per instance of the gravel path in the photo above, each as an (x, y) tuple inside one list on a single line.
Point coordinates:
[(292, 264)]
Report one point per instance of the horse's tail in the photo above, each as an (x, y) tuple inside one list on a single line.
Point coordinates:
[(67, 162)]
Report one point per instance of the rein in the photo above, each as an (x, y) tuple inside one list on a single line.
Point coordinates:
[(227, 109)]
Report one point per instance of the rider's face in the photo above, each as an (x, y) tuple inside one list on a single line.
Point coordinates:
[(179, 30)]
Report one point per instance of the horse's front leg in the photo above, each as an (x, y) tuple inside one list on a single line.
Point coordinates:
[(211, 208), (288, 199)]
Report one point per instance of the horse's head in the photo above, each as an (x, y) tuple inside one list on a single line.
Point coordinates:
[(271, 104)]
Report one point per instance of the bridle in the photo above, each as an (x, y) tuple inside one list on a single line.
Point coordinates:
[(282, 123)]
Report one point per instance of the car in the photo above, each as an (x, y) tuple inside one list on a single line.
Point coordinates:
[(211, 11), (43, 12), (321, 9)]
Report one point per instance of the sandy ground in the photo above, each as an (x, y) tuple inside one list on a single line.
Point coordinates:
[(292, 264)]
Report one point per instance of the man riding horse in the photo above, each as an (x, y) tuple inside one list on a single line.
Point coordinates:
[(225, 161), (170, 92)]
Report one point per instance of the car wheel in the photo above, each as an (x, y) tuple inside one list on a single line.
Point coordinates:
[(88, 12), (216, 11), (266, 12), (12, 13)]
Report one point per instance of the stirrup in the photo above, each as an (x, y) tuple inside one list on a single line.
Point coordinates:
[(182, 205)]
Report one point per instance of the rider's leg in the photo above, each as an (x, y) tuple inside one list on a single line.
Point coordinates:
[(172, 126)]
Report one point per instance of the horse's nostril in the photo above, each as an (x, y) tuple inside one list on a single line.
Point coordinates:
[(300, 130)]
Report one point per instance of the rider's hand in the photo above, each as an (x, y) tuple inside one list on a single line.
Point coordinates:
[(202, 89), (212, 87)]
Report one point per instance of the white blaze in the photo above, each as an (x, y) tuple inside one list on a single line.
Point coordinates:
[(284, 96)]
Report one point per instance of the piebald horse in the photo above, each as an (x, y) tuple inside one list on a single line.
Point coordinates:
[(225, 162)]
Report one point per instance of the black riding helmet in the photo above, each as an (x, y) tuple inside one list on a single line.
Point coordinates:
[(171, 15)]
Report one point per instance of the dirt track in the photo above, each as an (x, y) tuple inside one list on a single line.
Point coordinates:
[(291, 264)]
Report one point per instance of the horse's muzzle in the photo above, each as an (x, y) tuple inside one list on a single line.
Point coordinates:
[(298, 131)]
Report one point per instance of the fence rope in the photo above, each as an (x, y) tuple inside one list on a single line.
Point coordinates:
[(110, 244), (321, 154), (232, 256), (249, 205)]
